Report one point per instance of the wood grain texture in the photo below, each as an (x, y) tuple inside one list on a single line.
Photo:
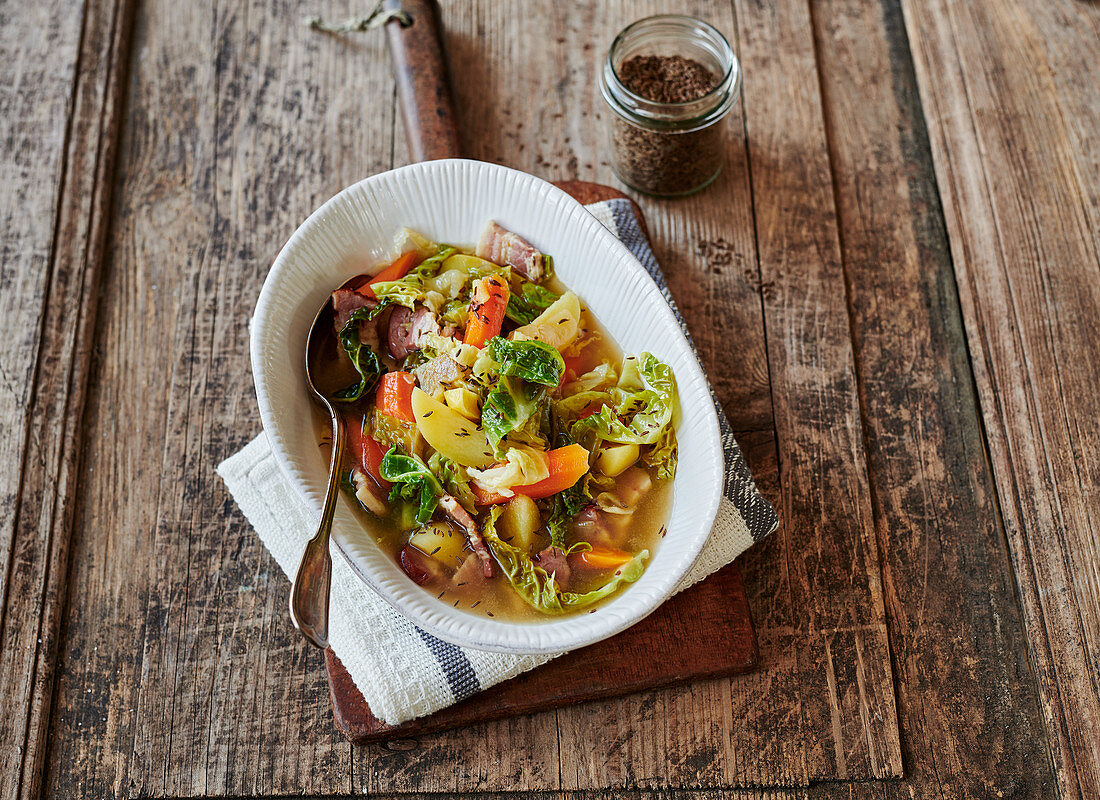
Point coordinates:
[(1007, 113), (832, 597), (60, 120), (35, 109), (231, 140), (177, 672), (204, 672), (970, 725)]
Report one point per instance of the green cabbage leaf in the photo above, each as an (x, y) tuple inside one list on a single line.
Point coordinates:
[(530, 360), (531, 300), (640, 409), (540, 589), (364, 359), (508, 406), (408, 290), (412, 481)]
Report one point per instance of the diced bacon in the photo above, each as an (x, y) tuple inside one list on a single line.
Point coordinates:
[(408, 329), (345, 302), (423, 323), (601, 527), (501, 246), (470, 573), (368, 493), (453, 509), (555, 562)]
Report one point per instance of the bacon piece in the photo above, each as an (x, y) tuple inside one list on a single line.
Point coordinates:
[(453, 509), (367, 492), (555, 562), (501, 246), (347, 301), (407, 329), (470, 573), (600, 527)]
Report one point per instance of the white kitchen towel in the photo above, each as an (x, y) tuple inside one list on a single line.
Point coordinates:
[(402, 671)]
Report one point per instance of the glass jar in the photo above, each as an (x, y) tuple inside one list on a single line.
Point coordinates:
[(669, 148)]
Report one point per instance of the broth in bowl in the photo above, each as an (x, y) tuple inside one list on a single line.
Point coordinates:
[(498, 444)]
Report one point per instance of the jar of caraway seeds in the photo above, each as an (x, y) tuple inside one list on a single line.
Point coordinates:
[(670, 81)]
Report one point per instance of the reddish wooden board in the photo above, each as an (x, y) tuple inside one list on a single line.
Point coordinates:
[(703, 632)]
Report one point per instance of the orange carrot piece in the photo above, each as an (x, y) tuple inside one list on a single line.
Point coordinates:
[(573, 369), (395, 271), (394, 396), (567, 466), (603, 557), (365, 452), (488, 302), (487, 498)]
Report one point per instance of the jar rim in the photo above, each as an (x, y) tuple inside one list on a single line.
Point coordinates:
[(731, 62)]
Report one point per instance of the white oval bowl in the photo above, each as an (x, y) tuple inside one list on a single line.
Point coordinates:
[(450, 201)]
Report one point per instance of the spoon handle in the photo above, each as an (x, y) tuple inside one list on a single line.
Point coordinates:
[(423, 81), (309, 594)]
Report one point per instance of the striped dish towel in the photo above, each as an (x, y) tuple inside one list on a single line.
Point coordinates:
[(402, 671)]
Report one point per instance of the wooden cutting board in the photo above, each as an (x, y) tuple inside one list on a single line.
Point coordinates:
[(703, 632)]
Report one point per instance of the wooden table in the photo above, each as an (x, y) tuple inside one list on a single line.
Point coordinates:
[(894, 286)]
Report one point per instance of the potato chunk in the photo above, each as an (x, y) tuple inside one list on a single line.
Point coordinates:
[(615, 459), (464, 402), (557, 325), (520, 521), (440, 541), (450, 433)]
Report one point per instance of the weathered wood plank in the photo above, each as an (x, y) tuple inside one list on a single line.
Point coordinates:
[(1007, 116), (59, 120), (240, 122), (967, 699), (833, 593), (204, 655)]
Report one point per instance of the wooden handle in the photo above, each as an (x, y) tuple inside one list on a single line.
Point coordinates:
[(423, 81)]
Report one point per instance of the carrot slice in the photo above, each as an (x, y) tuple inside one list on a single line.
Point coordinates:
[(365, 452), (487, 498), (394, 396), (573, 369), (567, 466), (603, 557), (398, 269), (488, 302)]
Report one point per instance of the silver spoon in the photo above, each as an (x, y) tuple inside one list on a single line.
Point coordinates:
[(309, 594)]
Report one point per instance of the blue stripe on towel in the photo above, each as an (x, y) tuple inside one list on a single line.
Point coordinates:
[(456, 667)]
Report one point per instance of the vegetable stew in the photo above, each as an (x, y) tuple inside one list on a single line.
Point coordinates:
[(498, 444)]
